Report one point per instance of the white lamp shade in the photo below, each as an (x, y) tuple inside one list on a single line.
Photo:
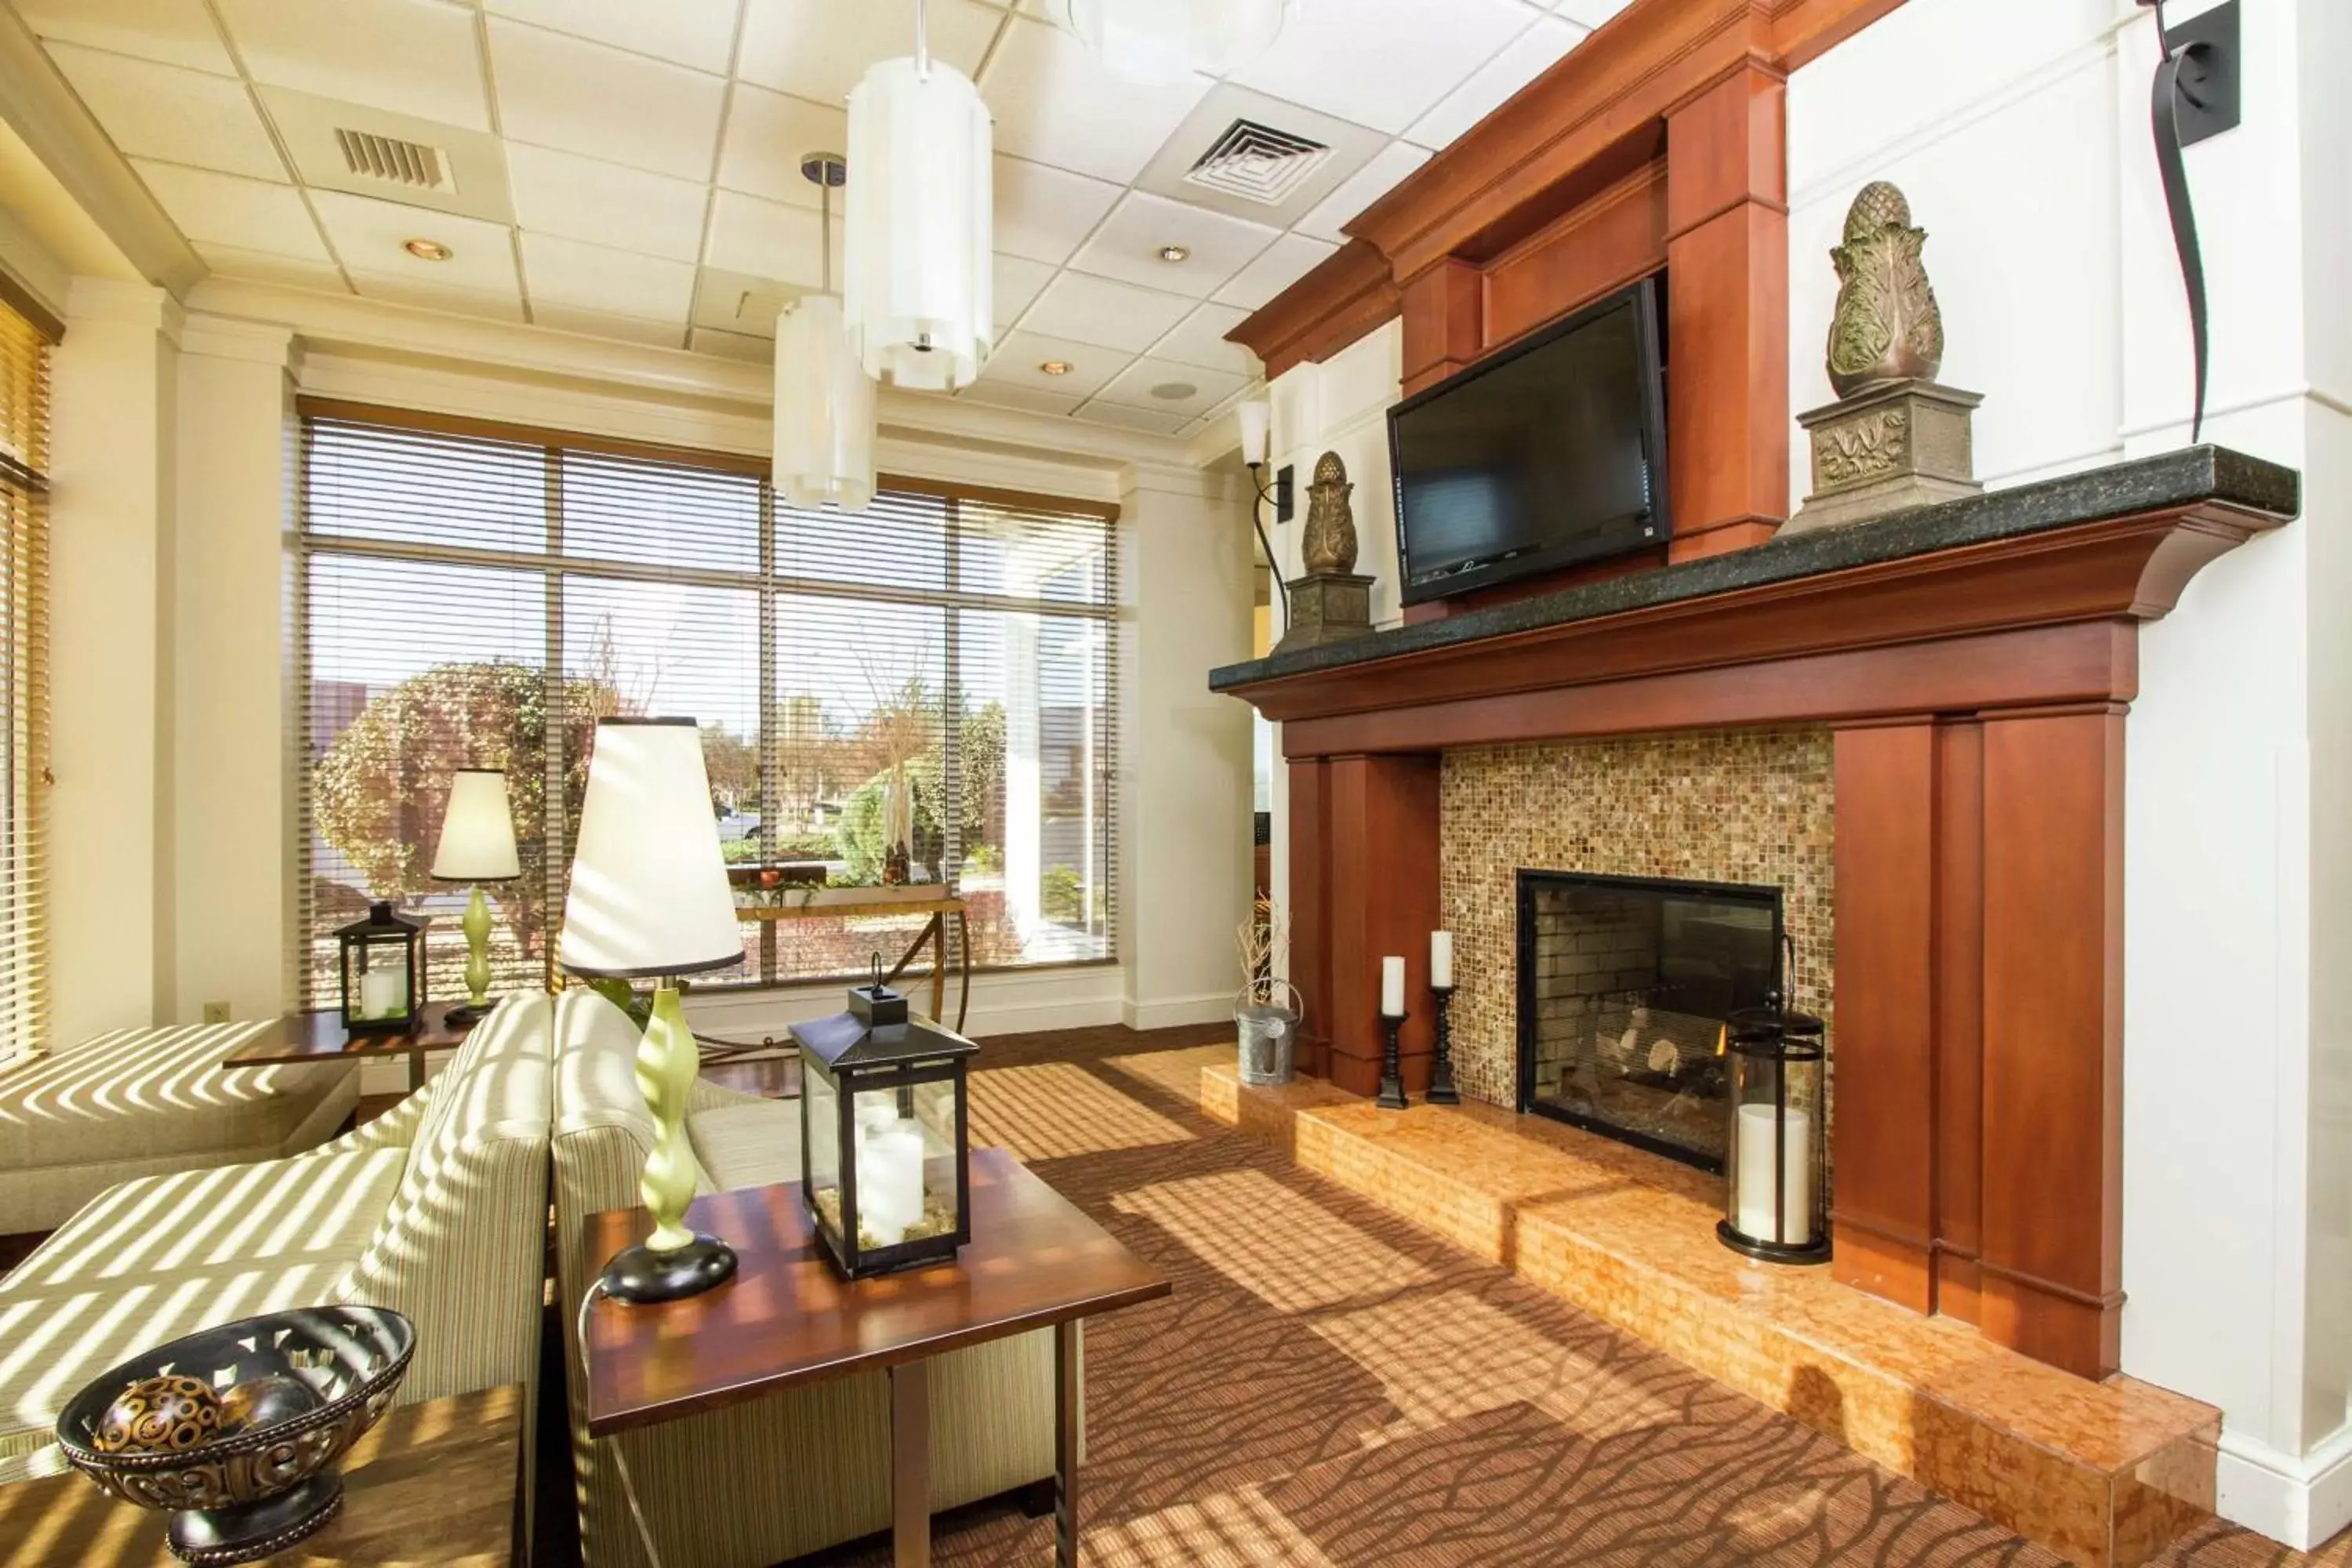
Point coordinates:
[(478, 837), (917, 295), (1166, 40), (824, 410), (649, 892), (1257, 418)]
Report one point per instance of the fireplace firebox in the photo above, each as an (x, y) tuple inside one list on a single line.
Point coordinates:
[(1624, 986)]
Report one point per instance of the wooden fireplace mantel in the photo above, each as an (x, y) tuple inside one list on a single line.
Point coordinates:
[(1975, 660)]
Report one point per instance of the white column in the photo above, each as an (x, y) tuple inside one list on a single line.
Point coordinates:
[(236, 719), (114, 402), (1024, 746)]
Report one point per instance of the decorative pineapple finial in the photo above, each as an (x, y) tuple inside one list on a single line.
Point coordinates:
[(1886, 326)]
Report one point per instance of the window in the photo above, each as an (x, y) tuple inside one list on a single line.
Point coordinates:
[(24, 681), (472, 596)]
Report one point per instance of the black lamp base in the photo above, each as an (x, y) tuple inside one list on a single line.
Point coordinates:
[(465, 1014), (1739, 1241), (640, 1275)]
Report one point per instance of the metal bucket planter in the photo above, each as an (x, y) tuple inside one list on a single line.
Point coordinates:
[(1269, 1030)]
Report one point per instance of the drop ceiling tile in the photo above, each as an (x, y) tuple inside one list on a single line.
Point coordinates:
[(1124, 418), (732, 345), (999, 395), (1127, 246), (769, 240), (1384, 63), (176, 32), (606, 324), (1096, 311), (1199, 339), (570, 274), (222, 209), (1288, 259), (1522, 60), (1016, 286), (697, 33), (153, 110), (413, 57), (1054, 103), (401, 289), (767, 134), (1143, 384), (739, 303), (1375, 180), (1018, 355), (1044, 213), (584, 198), (818, 48), (369, 236), (1591, 13), (261, 267), (559, 91)]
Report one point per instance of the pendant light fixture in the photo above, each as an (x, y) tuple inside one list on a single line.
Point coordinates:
[(1166, 40), (917, 299), (825, 399)]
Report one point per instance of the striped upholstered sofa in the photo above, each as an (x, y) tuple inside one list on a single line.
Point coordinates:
[(794, 1472), (145, 1102), (437, 1209)]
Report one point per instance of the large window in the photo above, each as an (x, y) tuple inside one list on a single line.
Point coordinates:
[(479, 598), (24, 681)]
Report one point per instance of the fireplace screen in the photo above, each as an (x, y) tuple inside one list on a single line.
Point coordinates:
[(1624, 984)]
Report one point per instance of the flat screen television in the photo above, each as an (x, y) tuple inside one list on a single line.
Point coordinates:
[(1551, 453)]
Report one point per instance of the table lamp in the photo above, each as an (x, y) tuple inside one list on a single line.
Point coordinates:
[(477, 845), (649, 900)]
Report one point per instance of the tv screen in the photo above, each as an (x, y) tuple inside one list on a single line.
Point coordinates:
[(1551, 453)]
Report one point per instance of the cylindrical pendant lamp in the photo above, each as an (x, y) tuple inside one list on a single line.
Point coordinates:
[(825, 399)]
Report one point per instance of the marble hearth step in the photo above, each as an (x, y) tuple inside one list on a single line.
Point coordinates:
[(2104, 1474)]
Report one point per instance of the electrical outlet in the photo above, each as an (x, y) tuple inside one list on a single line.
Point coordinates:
[(215, 1012)]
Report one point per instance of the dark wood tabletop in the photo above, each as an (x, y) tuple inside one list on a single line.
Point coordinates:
[(300, 1038), (787, 1319), (432, 1483)]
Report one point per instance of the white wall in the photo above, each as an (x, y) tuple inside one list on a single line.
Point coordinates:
[(2025, 151)]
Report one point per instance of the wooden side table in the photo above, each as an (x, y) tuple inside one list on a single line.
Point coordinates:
[(788, 1320), (301, 1037), (804, 903), (432, 1483)]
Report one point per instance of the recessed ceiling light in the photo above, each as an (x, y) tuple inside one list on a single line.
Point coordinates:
[(428, 250), (1175, 391), (1175, 252), (1056, 367)]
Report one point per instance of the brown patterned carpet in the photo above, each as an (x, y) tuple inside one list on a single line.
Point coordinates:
[(1332, 1385)]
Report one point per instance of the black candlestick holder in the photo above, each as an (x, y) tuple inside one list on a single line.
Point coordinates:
[(1441, 1079), (1391, 1094)]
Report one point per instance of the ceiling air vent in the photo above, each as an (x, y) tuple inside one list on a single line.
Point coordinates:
[(411, 163), (1258, 162)]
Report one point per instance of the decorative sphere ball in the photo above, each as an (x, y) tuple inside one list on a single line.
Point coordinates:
[(159, 1416), (265, 1401)]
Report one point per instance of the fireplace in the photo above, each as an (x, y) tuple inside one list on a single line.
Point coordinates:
[(1624, 984)]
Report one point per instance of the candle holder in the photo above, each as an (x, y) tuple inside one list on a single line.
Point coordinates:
[(1391, 1094), (1441, 1080)]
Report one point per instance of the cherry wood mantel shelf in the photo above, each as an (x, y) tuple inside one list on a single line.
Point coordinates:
[(1976, 660)]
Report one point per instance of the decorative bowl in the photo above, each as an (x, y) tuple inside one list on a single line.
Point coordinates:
[(245, 1494)]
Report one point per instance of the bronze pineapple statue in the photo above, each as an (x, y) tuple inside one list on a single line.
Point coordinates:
[(1328, 544), (1886, 326)]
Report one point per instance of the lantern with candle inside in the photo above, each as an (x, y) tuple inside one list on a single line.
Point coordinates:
[(885, 1147), (382, 972), (1776, 1203)]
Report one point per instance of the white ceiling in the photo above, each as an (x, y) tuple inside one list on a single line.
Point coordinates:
[(651, 154)]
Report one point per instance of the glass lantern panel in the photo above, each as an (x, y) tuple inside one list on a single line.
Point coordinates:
[(383, 970), (1766, 1140), (897, 1197), (823, 1171)]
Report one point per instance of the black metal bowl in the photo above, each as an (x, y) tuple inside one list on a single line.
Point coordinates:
[(246, 1494)]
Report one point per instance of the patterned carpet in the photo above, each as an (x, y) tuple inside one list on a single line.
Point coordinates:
[(1330, 1385)]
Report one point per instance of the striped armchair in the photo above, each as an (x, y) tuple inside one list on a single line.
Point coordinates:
[(794, 1472)]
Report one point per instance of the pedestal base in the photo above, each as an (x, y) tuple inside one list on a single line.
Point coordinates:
[(216, 1537), (639, 1274), (1887, 448), (1327, 607)]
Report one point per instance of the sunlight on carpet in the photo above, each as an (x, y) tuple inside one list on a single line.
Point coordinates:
[(1285, 1249), (1058, 1109)]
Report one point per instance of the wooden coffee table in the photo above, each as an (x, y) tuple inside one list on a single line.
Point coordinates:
[(303, 1038), (787, 1319), (432, 1483)]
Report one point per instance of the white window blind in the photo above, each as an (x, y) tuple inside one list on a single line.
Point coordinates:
[(478, 598), (23, 683)]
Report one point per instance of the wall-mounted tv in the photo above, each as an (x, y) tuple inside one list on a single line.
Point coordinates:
[(1551, 453)]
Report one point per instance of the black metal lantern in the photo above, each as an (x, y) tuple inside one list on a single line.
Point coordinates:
[(885, 1141), (383, 972), (1776, 1203)]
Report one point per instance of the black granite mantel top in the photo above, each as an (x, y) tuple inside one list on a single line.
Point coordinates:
[(2176, 479)]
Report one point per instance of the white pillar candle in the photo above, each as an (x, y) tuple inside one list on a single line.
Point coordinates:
[(383, 993), (1441, 960), (1392, 987), (1755, 1189), (889, 1182)]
